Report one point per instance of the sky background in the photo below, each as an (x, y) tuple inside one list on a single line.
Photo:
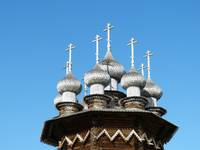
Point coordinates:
[(33, 38)]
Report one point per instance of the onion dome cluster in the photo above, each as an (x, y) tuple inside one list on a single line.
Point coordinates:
[(69, 84), (110, 65), (106, 75), (97, 76), (152, 90), (133, 78)]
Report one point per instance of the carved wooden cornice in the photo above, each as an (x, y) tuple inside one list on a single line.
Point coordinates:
[(82, 139)]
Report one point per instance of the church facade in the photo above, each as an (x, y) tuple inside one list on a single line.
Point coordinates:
[(108, 119)]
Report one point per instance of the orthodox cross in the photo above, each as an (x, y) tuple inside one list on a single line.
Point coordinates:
[(142, 69), (69, 49), (148, 54), (132, 42), (108, 29), (66, 67), (97, 39)]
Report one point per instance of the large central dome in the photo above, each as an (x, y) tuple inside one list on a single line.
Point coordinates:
[(110, 65)]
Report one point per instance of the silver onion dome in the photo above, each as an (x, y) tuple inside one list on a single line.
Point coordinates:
[(69, 84), (152, 90), (133, 78), (110, 65), (97, 76), (57, 99)]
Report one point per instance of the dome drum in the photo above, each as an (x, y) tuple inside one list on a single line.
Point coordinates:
[(113, 85), (97, 101), (133, 102), (133, 82), (133, 91), (96, 89), (69, 97), (67, 108), (159, 111)]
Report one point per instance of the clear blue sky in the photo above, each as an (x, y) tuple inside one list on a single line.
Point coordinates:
[(34, 34)]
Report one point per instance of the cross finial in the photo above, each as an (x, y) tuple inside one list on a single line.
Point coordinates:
[(69, 49), (132, 42), (142, 69), (108, 29), (66, 67), (148, 54), (97, 39)]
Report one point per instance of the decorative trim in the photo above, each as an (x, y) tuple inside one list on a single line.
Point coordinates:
[(119, 132), (142, 138), (71, 142)]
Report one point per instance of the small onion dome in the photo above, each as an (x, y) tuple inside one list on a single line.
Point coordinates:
[(110, 65), (69, 84), (97, 76), (152, 90), (57, 99), (133, 78)]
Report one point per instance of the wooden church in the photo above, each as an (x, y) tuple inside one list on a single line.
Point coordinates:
[(108, 119)]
